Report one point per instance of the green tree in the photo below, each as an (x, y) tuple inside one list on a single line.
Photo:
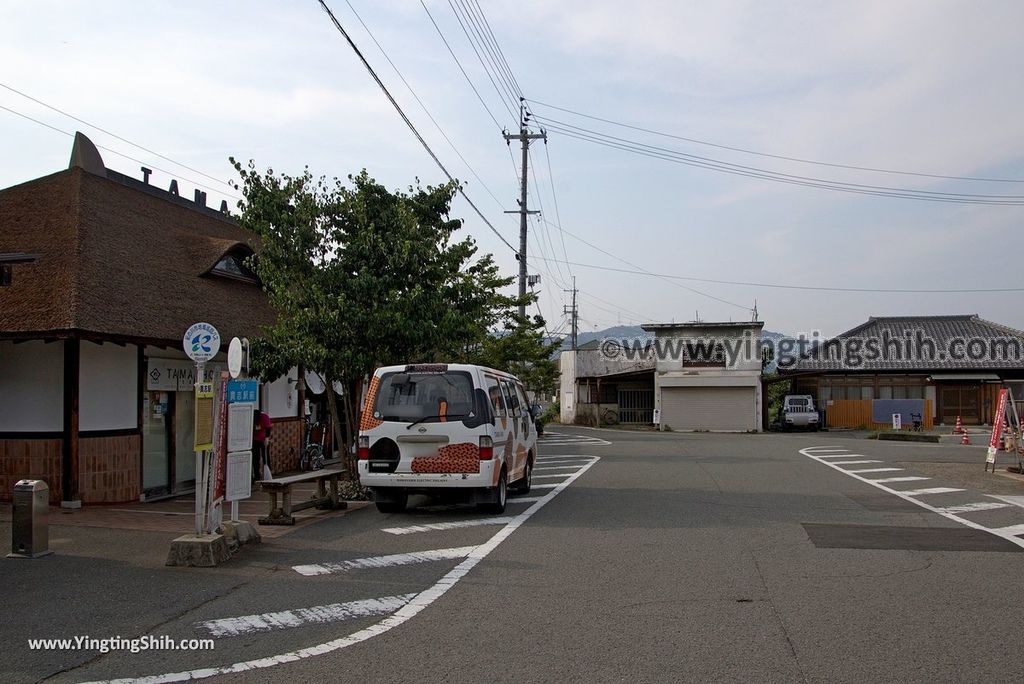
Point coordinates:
[(521, 349), (360, 276)]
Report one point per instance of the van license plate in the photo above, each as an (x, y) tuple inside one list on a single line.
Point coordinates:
[(378, 466)]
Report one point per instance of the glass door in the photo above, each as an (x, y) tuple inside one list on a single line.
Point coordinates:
[(156, 407)]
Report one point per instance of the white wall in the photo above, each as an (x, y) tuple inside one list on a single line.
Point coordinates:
[(279, 399), (567, 395), (108, 387), (31, 387)]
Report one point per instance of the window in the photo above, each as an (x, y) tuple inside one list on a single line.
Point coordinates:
[(5, 275), (233, 265), (510, 398), (411, 397), (494, 393)]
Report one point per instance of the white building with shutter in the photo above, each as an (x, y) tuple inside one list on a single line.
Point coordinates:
[(708, 376)]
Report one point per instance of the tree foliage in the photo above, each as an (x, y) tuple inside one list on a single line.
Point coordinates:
[(360, 276)]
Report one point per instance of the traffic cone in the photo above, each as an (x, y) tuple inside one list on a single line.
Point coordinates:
[(959, 427), (964, 440)]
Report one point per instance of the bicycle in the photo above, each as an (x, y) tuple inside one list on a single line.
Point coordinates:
[(312, 457)]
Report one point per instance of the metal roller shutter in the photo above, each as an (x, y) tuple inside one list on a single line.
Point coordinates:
[(708, 408)]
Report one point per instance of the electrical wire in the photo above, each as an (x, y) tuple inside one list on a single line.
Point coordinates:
[(122, 154), (422, 106), (488, 51), (409, 123), (497, 46), (558, 216), (807, 288), (501, 96), (752, 172), (778, 156)]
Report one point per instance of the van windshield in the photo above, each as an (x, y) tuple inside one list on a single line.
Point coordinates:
[(424, 397)]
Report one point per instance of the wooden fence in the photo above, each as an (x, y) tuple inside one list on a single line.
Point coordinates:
[(856, 413)]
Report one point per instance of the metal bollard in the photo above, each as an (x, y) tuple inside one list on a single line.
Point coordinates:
[(30, 533)]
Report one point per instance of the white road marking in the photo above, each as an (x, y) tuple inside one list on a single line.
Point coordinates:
[(1015, 500), (525, 499), (809, 452), (434, 527), (823, 450), (1012, 530), (875, 470), (552, 475), (840, 456), (545, 486), (410, 610), (854, 462), (383, 561), (565, 467), (933, 490), (564, 458), (335, 612), (907, 478), (971, 507)]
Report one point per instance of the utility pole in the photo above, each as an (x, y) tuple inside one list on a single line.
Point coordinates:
[(574, 311), (524, 137)]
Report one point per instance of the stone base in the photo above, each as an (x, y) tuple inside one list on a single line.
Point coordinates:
[(241, 533), (203, 551)]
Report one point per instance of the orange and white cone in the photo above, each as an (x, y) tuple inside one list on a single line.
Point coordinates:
[(959, 427), (964, 440)]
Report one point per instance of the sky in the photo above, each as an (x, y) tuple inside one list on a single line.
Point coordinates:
[(924, 88)]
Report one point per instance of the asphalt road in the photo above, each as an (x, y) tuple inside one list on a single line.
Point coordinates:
[(648, 557)]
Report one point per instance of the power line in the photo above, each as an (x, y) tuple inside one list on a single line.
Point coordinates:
[(452, 53), (677, 157), (409, 123), (558, 216), (501, 96), (485, 46), (115, 135), (122, 154), (809, 288), (497, 47), (779, 156), (422, 106)]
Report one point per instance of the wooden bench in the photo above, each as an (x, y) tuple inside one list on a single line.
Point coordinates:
[(326, 498)]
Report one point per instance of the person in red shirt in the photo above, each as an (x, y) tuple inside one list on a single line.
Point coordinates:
[(260, 432)]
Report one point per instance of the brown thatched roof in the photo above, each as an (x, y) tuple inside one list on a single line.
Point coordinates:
[(119, 259)]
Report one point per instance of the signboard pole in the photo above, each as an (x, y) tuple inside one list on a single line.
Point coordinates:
[(997, 430)]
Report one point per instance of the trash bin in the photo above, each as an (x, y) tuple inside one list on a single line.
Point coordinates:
[(30, 534)]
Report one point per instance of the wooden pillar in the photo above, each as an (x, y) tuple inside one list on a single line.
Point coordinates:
[(69, 450)]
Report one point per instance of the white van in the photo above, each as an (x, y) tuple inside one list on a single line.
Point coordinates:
[(453, 430)]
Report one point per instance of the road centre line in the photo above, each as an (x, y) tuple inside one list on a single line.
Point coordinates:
[(419, 603), (335, 612), (906, 497), (906, 478), (454, 525), (875, 470), (933, 490), (383, 561)]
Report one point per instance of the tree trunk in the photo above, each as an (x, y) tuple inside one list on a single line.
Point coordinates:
[(343, 446), (350, 462)]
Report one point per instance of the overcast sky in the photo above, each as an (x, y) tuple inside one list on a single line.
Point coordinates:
[(929, 87)]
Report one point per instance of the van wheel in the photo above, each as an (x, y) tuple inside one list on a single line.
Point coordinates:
[(523, 485), (499, 495), (394, 503)]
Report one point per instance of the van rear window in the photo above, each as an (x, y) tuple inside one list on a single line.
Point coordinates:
[(424, 397)]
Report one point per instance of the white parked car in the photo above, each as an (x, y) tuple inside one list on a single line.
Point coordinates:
[(454, 430), (798, 412)]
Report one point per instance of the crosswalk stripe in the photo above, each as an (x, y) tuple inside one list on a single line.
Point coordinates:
[(1012, 530), (382, 561), (906, 478), (558, 467), (537, 477), (854, 462), (971, 507), (875, 470), (933, 490)]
